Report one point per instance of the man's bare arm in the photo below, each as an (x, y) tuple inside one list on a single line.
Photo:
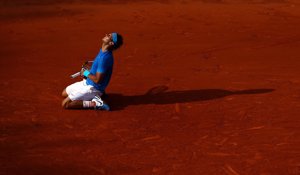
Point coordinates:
[(96, 78)]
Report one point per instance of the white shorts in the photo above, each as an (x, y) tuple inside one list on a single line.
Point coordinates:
[(81, 91)]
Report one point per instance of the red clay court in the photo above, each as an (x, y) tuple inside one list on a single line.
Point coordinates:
[(199, 87)]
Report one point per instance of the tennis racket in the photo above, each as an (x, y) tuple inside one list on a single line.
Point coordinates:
[(85, 66)]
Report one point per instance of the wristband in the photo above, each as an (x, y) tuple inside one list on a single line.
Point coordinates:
[(86, 73)]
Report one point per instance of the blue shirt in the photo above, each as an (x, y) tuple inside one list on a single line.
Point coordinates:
[(103, 64)]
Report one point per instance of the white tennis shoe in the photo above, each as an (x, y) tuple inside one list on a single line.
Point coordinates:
[(100, 104)]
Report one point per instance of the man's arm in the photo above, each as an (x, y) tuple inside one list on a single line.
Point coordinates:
[(96, 78)]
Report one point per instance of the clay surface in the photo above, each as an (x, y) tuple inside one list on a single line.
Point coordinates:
[(199, 87)]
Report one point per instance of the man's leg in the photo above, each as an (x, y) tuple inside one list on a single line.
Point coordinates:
[(67, 103), (64, 93), (78, 96)]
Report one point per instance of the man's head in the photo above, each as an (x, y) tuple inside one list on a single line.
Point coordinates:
[(113, 40)]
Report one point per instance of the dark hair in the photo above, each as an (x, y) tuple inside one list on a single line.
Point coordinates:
[(119, 42)]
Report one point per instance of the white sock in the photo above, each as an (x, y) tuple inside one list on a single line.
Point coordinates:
[(87, 104)]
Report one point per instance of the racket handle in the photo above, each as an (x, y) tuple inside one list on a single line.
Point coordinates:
[(75, 75)]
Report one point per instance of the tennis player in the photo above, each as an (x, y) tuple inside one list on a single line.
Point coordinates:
[(87, 93)]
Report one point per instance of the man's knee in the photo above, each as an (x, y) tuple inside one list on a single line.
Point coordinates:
[(64, 93)]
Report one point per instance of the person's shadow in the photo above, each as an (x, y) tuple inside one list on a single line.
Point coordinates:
[(160, 95)]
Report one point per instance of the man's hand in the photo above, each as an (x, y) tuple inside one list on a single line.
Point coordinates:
[(81, 72)]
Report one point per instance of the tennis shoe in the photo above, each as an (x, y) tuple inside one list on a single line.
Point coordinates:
[(100, 104)]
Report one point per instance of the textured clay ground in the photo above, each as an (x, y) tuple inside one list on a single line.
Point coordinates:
[(199, 87)]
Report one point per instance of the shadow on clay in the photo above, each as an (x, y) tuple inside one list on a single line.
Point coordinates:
[(159, 95)]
